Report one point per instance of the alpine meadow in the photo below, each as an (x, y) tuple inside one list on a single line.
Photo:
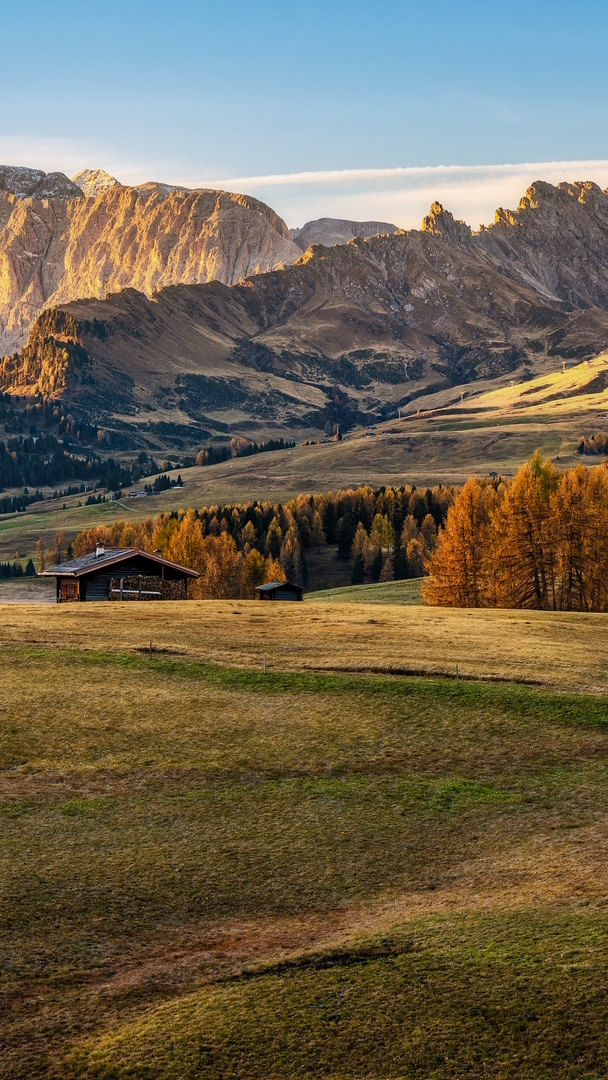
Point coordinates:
[(303, 542)]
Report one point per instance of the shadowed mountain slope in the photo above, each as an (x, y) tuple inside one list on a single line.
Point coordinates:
[(332, 231)]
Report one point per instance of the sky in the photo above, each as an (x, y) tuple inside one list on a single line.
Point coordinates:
[(367, 110)]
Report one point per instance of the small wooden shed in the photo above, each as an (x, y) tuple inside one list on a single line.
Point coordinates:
[(280, 590), (120, 574)]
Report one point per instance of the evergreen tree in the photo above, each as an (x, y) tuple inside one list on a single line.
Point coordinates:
[(357, 576), (346, 535), (377, 564)]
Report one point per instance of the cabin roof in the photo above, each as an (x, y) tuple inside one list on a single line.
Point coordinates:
[(270, 586), (87, 564)]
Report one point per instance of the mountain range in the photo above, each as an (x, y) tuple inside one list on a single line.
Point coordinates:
[(284, 340), (62, 239)]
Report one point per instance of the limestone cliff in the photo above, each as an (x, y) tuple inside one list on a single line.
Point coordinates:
[(352, 331), (63, 239), (94, 182), (556, 241), (60, 241), (442, 223), (32, 183)]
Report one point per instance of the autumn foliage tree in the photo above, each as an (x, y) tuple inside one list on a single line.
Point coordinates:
[(460, 569), (235, 548), (539, 542)]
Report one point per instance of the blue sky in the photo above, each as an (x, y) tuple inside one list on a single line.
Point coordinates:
[(203, 92)]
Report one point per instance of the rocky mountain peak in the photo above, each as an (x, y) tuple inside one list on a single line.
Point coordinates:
[(549, 200), (57, 185), (584, 191), (28, 183), (442, 223), (19, 181), (65, 246), (94, 182), (507, 217)]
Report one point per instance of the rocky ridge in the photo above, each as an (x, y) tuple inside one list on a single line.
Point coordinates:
[(57, 245), (26, 183), (62, 239), (94, 182), (348, 333)]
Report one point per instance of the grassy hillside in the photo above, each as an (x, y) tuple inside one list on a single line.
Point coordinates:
[(211, 871), (383, 592), (490, 430), (551, 394), (433, 448)]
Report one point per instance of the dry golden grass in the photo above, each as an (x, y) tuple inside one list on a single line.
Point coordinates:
[(549, 395), (565, 651)]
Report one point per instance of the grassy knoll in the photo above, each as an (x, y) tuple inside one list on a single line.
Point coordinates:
[(208, 871), (383, 592)]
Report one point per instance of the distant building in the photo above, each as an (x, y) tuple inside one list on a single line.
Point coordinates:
[(120, 574), (280, 590)]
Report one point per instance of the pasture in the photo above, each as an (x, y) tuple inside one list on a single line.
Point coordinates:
[(348, 865)]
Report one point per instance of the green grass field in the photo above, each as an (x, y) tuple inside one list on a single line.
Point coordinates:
[(382, 592), (208, 871)]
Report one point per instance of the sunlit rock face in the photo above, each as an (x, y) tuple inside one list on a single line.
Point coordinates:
[(61, 240), (353, 330), (557, 240), (94, 182), (442, 223), (348, 333)]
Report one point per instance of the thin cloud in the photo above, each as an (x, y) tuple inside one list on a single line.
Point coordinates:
[(403, 173), (403, 195)]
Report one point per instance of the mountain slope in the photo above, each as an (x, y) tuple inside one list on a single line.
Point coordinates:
[(63, 239), (332, 231), (94, 182), (555, 242), (350, 333), (56, 244)]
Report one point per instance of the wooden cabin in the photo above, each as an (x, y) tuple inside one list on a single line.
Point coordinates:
[(120, 574), (280, 590)]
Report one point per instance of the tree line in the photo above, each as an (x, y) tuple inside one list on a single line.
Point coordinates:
[(385, 533), (540, 541), (43, 461), (239, 447), (16, 570)]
